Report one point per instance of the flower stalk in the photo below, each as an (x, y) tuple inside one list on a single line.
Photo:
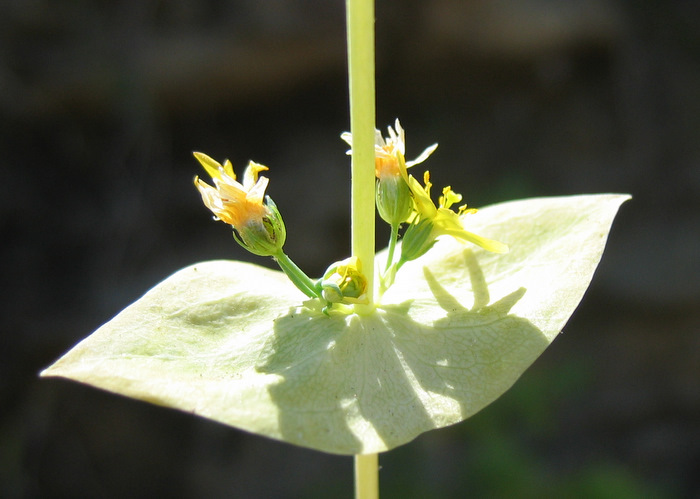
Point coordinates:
[(296, 275), (393, 239)]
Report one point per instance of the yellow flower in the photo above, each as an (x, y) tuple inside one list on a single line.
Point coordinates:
[(393, 196), (389, 152), (430, 221), (243, 206)]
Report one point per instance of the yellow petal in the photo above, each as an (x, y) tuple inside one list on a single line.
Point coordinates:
[(423, 156), (256, 193), (447, 222), (212, 166), (424, 205), (228, 169), (487, 244), (250, 176)]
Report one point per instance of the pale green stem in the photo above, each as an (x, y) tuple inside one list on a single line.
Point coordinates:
[(366, 476), (387, 277), (296, 275), (360, 31), (392, 246)]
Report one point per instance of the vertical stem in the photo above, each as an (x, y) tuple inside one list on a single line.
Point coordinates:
[(360, 30), (366, 476)]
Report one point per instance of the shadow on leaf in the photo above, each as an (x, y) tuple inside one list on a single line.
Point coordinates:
[(360, 384)]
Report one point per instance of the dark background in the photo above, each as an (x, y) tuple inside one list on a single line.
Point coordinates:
[(102, 103)]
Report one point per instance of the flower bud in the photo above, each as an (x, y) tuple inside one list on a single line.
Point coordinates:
[(417, 240), (344, 282), (394, 201), (264, 236)]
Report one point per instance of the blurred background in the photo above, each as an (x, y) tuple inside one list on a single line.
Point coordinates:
[(102, 103)]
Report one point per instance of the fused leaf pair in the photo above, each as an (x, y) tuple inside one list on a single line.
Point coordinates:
[(232, 342)]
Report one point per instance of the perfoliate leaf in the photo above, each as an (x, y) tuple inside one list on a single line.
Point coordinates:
[(231, 341)]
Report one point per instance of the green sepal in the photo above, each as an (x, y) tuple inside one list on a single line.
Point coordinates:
[(265, 237), (417, 240), (393, 198)]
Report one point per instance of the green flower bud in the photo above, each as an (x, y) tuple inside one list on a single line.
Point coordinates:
[(394, 201), (263, 236), (344, 282), (417, 240)]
